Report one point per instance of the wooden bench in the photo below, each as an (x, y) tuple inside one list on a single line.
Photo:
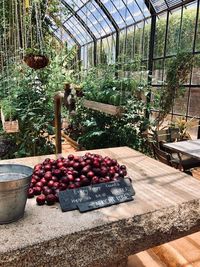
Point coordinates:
[(183, 252)]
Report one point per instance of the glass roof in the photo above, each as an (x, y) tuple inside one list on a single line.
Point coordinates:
[(78, 30), (94, 17), (126, 12), (62, 34), (89, 20)]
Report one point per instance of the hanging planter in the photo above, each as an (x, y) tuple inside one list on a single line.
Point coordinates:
[(106, 108), (36, 61), (11, 126)]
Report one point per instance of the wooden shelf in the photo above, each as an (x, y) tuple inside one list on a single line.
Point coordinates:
[(106, 108)]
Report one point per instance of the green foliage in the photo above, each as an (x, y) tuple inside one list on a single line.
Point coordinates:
[(178, 70), (8, 111), (59, 71), (99, 130), (27, 95), (102, 85), (94, 129), (28, 98), (7, 145)]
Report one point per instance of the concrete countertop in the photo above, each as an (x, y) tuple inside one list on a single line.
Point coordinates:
[(166, 206)]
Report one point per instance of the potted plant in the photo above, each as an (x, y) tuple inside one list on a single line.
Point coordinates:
[(183, 127), (8, 117), (103, 91)]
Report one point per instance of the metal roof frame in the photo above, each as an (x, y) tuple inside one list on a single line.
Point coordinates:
[(79, 19), (148, 3)]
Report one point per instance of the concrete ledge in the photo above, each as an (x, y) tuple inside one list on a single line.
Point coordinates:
[(166, 207), (111, 243)]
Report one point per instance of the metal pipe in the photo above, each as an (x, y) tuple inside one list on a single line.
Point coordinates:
[(57, 109), (150, 63)]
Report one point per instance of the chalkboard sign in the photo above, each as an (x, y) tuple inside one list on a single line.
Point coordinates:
[(96, 196)]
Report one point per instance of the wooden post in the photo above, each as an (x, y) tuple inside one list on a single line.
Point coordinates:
[(57, 107)]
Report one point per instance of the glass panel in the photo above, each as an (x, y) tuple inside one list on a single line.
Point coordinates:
[(196, 71), (95, 20), (134, 43), (173, 34), (166, 122), (99, 51), (114, 8), (172, 3), (194, 102), (108, 48), (123, 55), (78, 30), (160, 35), (159, 5), (188, 27), (60, 33), (88, 18), (180, 104), (143, 7), (131, 11), (131, 42), (157, 74), (90, 49), (87, 56), (193, 126), (197, 48), (64, 37), (146, 39), (126, 12), (139, 33), (167, 63), (106, 25), (76, 4)]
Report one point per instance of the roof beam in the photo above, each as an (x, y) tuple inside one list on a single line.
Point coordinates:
[(150, 7)]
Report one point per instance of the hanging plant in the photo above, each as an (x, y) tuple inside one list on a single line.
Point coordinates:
[(35, 60), (35, 56)]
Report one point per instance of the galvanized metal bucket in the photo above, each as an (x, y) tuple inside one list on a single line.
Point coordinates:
[(14, 183)]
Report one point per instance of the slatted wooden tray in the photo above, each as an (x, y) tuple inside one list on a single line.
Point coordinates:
[(106, 108), (9, 126)]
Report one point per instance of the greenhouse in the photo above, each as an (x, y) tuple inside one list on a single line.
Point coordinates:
[(100, 131)]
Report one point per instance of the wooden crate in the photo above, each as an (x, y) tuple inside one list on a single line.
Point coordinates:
[(9, 126), (106, 108)]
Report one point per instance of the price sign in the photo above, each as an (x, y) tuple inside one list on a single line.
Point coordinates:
[(96, 196)]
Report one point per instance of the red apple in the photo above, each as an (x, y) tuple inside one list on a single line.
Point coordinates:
[(41, 200), (50, 199), (30, 193)]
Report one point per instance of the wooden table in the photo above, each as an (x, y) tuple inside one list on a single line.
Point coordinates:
[(190, 147), (166, 206)]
